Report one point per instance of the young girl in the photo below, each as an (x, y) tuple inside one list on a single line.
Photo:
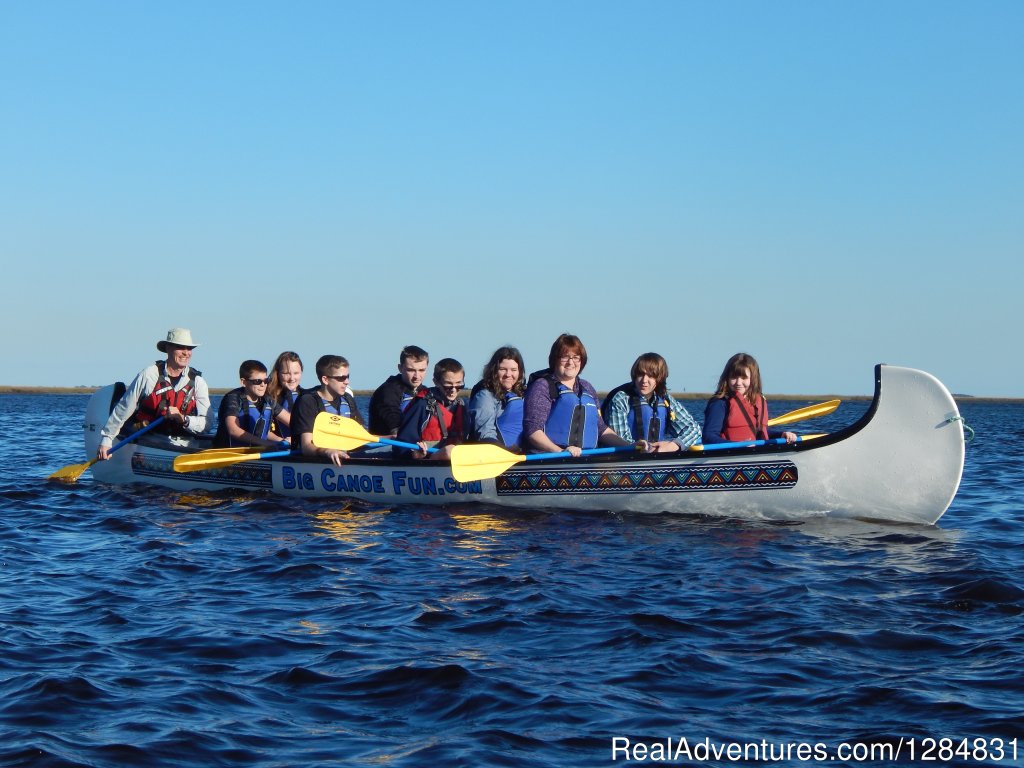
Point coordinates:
[(284, 387), (495, 410), (738, 411)]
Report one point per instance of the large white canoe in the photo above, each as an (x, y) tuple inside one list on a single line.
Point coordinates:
[(902, 461)]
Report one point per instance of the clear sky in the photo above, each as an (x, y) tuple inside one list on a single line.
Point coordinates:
[(824, 185)]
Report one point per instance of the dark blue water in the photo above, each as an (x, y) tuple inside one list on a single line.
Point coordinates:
[(140, 626)]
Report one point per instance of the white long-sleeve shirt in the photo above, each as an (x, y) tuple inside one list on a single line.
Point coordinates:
[(144, 384)]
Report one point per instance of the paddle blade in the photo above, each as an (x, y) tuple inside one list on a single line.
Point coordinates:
[(809, 412), (481, 462), (196, 462), (71, 472), (339, 432)]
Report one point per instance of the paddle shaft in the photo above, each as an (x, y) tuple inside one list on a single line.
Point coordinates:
[(220, 457), (197, 462), (267, 455), (72, 472), (296, 452), (400, 444), (741, 444), (136, 435), (585, 452)]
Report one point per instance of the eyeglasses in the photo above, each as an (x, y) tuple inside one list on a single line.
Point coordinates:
[(342, 379), (460, 385), (257, 382), (570, 359)]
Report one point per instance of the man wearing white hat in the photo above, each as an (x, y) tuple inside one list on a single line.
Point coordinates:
[(168, 388)]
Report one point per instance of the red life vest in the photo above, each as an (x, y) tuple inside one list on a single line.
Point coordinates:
[(164, 396), (433, 431), (742, 420)]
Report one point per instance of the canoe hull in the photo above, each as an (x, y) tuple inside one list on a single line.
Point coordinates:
[(901, 462)]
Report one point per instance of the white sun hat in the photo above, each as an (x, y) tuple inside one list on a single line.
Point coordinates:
[(181, 337)]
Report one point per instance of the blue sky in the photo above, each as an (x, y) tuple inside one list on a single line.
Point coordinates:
[(823, 185)]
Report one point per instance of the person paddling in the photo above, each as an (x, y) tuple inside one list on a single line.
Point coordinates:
[(168, 388), (332, 396)]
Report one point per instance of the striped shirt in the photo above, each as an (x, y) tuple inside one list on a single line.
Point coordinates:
[(680, 429)]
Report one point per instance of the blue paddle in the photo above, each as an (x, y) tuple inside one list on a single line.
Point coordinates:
[(72, 472)]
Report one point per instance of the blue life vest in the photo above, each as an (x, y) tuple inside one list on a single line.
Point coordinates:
[(342, 409), (641, 415), (287, 404), (510, 420), (573, 418), (408, 397), (256, 418)]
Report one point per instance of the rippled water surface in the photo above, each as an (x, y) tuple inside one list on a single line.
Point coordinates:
[(141, 626)]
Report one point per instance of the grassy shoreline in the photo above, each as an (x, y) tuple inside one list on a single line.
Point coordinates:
[(16, 390)]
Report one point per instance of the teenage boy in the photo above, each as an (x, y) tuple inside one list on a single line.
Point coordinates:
[(246, 414), (392, 397), (332, 396), (436, 416)]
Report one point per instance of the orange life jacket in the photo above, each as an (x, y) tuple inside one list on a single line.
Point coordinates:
[(164, 396), (745, 422), (441, 421)]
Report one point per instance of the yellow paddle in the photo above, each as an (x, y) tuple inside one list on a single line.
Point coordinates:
[(344, 434), (72, 472), (809, 412), (220, 457), (235, 449), (486, 460)]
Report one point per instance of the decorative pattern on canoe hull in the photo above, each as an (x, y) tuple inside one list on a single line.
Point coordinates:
[(246, 474), (725, 477)]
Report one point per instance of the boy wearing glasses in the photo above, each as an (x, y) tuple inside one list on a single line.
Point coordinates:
[(436, 416), (332, 396), (246, 414)]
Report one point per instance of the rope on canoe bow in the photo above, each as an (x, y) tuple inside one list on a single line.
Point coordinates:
[(968, 430)]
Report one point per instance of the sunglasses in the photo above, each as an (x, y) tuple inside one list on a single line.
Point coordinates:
[(342, 379), (257, 382)]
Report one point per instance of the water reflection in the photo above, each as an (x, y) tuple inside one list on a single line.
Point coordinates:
[(310, 628), (482, 523), (358, 527)]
